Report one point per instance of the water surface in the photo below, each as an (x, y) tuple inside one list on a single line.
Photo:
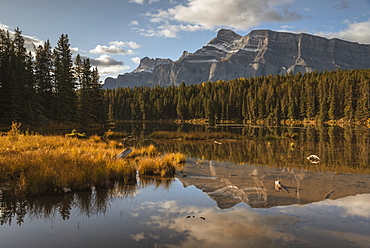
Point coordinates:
[(178, 216), (224, 197)]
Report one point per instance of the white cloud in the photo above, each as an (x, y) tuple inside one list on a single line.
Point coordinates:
[(212, 14), (137, 1), (146, 32), (134, 23), (142, 1), (116, 47), (169, 31), (356, 32), (112, 49), (287, 26), (29, 41), (130, 44), (3, 26), (112, 70), (74, 49), (105, 61), (136, 60), (108, 66)]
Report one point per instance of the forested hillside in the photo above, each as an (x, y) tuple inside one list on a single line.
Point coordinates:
[(47, 86), (335, 95)]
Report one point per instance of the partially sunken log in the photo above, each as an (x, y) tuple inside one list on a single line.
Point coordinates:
[(279, 186), (124, 153)]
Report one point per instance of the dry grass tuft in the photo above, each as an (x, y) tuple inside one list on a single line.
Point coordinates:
[(37, 164)]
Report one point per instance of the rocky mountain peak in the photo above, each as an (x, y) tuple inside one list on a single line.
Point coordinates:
[(148, 64), (226, 35), (259, 53), (226, 40)]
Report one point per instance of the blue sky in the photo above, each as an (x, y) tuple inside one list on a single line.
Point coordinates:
[(116, 34)]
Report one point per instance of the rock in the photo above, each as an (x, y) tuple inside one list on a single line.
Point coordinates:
[(66, 190), (139, 77), (124, 153), (260, 53)]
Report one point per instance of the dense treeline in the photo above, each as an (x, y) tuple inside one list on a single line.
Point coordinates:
[(335, 95), (47, 86)]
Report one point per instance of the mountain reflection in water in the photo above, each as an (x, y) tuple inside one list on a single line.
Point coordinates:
[(229, 184), (164, 213)]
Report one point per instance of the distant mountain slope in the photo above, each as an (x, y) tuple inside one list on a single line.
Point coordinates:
[(260, 53)]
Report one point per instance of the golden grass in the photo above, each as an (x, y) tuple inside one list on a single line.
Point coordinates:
[(164, 166), (37, 164)]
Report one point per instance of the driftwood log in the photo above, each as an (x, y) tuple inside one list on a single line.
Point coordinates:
[(279, 186), (326, 196), (123, 154)]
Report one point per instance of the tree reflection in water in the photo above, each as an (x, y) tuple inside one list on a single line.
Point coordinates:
[(342, 150), (13, 209)]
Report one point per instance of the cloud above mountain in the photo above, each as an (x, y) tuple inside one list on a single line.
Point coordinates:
[(112, 49), (108, 66), (29, 41), (105, 60), (355, 31), (116, 47), (197, 15)]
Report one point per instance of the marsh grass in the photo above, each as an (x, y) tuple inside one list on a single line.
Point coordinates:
[(36, 164), (164, 166)]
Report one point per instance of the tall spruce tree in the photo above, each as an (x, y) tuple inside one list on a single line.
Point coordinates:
[(17, 77), (6, 55), (44, 80), (98, 111), (90, 93), (85, 105), (65, 102)]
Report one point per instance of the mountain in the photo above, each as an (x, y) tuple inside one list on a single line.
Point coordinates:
[(260, 53)]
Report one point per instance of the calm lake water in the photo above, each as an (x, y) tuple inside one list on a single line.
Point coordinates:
[(224, 197)]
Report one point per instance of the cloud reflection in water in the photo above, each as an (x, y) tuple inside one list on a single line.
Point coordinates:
[(330, 223)]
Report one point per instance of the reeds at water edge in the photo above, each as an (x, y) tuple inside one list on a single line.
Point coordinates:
[(36, 164)]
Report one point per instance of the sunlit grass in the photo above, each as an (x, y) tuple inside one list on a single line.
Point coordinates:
[(36, 164), (164, 166)]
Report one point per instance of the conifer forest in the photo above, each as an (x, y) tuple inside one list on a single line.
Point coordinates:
[(50, 85), (47, 86), (321, 96)]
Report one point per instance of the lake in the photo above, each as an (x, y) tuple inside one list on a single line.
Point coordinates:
[(224, 197)]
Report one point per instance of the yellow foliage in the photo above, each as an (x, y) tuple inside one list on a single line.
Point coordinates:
[(39, 164)]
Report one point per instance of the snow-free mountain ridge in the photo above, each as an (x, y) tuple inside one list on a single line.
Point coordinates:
[(260, 53)]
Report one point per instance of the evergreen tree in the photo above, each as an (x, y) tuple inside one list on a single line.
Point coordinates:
[(18, 65), (6, 72), (44, 81), (65, 102), (85, 107), (98, 112), (363, 103)]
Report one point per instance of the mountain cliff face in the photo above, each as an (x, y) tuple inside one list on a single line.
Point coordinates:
[(260, 53)]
